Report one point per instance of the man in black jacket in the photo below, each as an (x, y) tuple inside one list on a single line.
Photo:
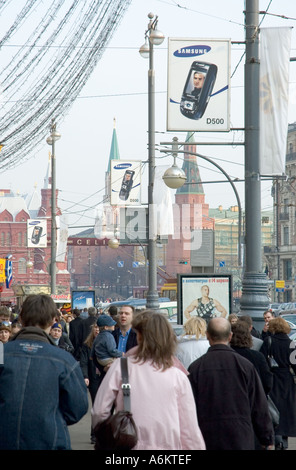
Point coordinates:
[(76, 333), (89, 322), (230, 400)]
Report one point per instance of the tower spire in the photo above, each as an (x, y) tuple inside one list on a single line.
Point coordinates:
[(193, 183), (114, 150)]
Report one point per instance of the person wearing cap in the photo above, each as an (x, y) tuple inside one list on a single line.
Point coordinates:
[(104, 347), (56, 332), (60, 339), (5, 331)]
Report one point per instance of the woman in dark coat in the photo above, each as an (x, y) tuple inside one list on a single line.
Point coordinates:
[(241, 342), (91, 376), (283, 391)]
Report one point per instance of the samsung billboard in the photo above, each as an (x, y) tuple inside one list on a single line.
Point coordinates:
[(198, 85)]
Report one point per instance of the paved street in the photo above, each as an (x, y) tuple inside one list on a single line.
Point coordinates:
[(80, 434)]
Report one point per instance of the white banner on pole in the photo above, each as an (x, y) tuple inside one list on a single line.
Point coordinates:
[(62, 238), (162, 220), (275, 45)]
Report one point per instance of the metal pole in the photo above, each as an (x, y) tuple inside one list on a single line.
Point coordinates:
[(152, 295), (254, 298), (53, 217)]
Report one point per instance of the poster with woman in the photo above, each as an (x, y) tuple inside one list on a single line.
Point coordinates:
[(206, 296)]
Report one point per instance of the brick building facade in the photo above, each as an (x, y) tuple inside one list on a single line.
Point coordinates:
[(30, 266)]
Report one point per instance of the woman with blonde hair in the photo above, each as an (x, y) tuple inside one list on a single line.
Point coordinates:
[(162, 401), (193, 343), (232, 318), (282, 348)]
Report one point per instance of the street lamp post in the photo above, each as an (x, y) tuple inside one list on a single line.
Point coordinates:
[(152, 37), (53, 137), (254, 300)]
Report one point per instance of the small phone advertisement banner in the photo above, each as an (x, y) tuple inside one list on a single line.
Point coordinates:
[(126, 183), (36, 233), (198, 85)]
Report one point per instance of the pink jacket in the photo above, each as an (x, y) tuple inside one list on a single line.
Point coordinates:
[(162, 404)]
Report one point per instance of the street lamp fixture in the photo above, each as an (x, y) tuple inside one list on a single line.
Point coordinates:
[(113, 243), (144, 50), (174, 177), (51, 140), (30, 263), (152, 37)]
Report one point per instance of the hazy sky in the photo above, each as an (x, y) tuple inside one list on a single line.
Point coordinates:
[(118, 89)]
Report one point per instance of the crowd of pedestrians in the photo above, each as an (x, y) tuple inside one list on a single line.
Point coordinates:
[(205, 390)]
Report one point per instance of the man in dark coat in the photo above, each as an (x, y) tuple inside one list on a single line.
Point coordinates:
[(89, 322), (230, 400), (268, 315), (76, 333)]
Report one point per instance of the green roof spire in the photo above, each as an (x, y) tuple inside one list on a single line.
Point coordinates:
[(114, 151)]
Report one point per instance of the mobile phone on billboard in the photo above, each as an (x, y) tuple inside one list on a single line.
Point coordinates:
[(198, 88), (126, 185), (36, 234)]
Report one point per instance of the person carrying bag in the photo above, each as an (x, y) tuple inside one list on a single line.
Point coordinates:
[(154, 375), (119, 431)]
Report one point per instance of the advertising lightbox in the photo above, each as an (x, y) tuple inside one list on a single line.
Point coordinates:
[(198, 85)]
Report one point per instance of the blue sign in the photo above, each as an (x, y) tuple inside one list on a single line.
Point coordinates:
[(83, 299), (135, 264), (222, 264), (192, 51), (8, 272), (120, 264)]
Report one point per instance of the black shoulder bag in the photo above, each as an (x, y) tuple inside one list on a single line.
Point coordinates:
[(271, 360), (273, 410), (119, 431)]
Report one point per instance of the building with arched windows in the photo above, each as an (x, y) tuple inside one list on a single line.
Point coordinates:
[(30, 265), (281, 256)]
